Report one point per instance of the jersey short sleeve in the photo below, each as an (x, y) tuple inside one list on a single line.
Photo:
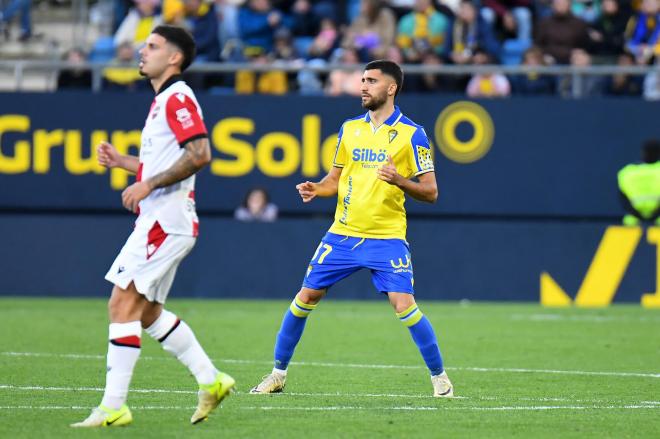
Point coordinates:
[(423, 160), (340, 154), (184, 119)]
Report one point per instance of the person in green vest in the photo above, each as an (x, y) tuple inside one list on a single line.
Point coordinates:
[(639, 185)]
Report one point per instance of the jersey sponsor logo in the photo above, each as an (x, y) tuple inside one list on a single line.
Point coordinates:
[(368, 157), (425, 159), (185, 118)]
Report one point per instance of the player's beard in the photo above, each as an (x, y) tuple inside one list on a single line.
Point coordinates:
[(375, 102)]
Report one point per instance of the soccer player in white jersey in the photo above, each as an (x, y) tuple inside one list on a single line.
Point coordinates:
[(174, 147)]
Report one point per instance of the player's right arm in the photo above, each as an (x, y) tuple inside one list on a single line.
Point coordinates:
[(109, 157), (327, 187)]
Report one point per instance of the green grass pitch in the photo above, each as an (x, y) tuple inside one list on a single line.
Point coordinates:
[(518, 370)]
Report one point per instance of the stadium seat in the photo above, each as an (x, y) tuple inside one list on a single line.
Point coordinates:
[(513, 50), (103, 50)]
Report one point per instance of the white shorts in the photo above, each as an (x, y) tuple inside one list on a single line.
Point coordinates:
[(149, 259)]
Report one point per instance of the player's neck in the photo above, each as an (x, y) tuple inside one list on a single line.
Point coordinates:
[(380, 115), (157, 83)]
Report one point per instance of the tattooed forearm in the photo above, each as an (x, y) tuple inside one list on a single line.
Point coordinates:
[(197, 154)]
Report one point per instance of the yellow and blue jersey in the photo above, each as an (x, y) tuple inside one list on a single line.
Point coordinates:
[(368, 207)]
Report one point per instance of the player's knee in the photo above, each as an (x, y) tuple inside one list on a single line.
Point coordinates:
[(310, 297), (402, 302), (125, 305)]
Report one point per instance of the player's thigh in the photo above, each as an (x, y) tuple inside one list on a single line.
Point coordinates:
[(333, 260), (391, 265), (125, 304), (157, 280)]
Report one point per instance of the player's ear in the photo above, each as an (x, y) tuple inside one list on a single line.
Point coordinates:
[(391, 90), (176, 57)]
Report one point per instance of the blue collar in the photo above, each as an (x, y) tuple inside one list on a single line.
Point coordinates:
[(391, 121)]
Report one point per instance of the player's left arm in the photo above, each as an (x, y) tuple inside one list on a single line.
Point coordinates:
[(196, 155), (425, 189)]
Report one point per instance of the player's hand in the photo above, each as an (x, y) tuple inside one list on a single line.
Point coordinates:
[(388, 173), (108, 155), (307, 191), (133, 194)]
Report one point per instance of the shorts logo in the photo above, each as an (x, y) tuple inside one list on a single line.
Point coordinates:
[(309, 270), (184, 117), (121, 269), (402, 267)]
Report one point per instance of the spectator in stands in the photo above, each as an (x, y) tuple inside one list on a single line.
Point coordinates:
[(305, 23), (202, 21), (173, 12), (138, 24), (469, 33), (346, 82), (560, 33), (533, 83), (12, 8), (421, 31), (512, 18), (372, 32), (643, 32), (623, 84), (258, 21), (325, 42), (273, 82), (227, 14), (587, 10), (652, 83), (75, 77), (256, 207), (490, 84), (639, 187), (607, 32), (580, 86), (123, 73)]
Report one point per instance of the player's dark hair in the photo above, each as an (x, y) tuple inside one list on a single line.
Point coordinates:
[(651, 151), (389, 68), (182, 39)]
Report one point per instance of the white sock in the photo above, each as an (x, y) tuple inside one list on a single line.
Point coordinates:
[(177, 338), (279, 372), (123, 353)]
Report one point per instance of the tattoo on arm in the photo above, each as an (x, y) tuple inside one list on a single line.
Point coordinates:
[(196, 155)]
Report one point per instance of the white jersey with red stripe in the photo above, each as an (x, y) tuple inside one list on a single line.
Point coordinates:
[(174, 119)]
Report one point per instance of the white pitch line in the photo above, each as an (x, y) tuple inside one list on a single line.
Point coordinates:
[(354, 408), (324, 395), (369, 366)]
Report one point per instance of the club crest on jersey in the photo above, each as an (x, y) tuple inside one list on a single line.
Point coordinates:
[(184, 117), (393, 134), (155, 111)]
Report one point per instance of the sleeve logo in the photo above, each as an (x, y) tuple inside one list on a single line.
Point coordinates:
[(184, 117), (425, 159)]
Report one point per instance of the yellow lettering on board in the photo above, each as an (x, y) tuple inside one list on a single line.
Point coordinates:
[(44, 141), (242, 151), (311, 139), (652, 300), (20, 162), (290, 154), (73, 155)]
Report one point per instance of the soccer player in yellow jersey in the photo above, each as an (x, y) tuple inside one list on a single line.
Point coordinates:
[(378, 154)]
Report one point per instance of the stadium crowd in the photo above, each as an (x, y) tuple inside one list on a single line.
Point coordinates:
[(423, 32)]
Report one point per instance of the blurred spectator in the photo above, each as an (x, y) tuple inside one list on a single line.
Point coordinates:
[(422, 31), (173, 12), (652, 83), (430, 82), (75, 77), (513, 18), (490, 84), (643, 32), (325, 42), (123, 73), (227, 14), (560, 33), (256, 207), (257, 22), (587, 10), (578, 85), (202, 21), (639, 187), (273, 82), (138, 24), (372, 32), (623, 84), (533, 83), (346, 82), (305, 22), (469, 33), (607, 32), (12, 8)]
